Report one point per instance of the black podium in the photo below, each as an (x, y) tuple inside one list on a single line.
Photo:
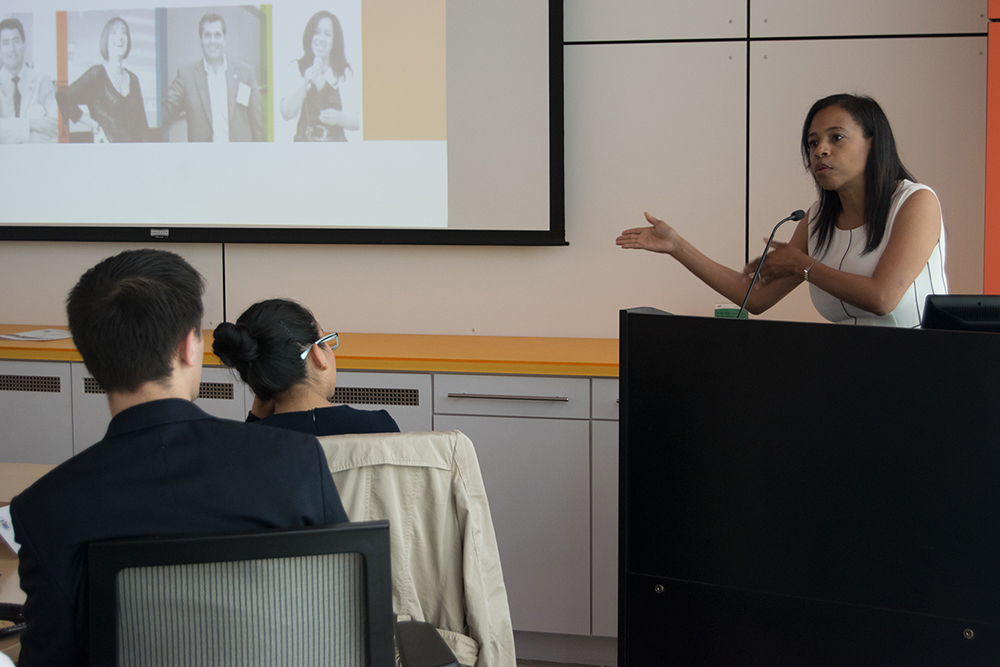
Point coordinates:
[(807, 494)]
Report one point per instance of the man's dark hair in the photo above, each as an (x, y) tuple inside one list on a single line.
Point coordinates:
[(211, 17), (129, 313), (12, 24)]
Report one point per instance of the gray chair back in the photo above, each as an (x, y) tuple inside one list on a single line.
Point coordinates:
[(306, 596)]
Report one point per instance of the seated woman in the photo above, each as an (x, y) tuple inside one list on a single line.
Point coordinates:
[(279, 351)]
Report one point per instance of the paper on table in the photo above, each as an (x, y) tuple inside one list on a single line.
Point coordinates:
[(7, 529), (40, 334)]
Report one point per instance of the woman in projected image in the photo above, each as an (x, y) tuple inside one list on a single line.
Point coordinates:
[(871, 247), (321, 72), (278, 349), (115, 112)]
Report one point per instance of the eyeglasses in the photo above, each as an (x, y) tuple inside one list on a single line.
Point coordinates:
[(333, 345)]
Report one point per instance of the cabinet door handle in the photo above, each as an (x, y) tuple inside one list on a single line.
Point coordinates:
[(551, 399)]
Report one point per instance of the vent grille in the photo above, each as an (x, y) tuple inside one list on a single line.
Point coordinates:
[(221, 391), (218, 390), (48, 385), (376, 396), (971, 314)]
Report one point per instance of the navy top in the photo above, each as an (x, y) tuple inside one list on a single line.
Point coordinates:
[(334, 420), (310, 128)]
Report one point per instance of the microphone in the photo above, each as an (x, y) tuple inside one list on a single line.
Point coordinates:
[(796, 215), (317, 62)]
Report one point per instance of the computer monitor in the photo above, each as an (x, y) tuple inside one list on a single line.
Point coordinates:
[(962, 312)]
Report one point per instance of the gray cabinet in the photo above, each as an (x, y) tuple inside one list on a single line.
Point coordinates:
[(36, 412), (604, 508), (547, 448), (532, 436), (536, 473), (405, 396)]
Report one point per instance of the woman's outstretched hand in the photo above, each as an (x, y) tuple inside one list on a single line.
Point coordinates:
[(658, 237)]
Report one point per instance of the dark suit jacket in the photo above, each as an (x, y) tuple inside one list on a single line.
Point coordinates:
[(164, 467), (188, 97)]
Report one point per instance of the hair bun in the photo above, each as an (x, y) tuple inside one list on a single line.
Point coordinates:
[(235, 345)]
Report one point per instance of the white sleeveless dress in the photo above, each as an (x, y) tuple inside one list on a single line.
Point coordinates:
[(845, 254)]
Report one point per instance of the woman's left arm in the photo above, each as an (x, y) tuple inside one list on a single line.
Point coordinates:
[(915, 232)]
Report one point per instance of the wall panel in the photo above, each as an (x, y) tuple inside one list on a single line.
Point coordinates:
[(597, 20), (796, 18), (37, 276)]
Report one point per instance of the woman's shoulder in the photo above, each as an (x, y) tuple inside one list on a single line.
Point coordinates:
[(293, 421), (93, 73), (906, 187), (341, 419), (913, 194)]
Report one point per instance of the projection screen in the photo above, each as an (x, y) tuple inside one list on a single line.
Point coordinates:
[(298, 121)]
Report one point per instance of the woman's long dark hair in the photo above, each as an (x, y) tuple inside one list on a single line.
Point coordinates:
[(338, 61), (265, 343), (882, 170)]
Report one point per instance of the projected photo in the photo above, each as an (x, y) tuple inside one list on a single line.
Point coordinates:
[(211, 71), (28, 111), (111, 65), (411, 102), (322, 86)]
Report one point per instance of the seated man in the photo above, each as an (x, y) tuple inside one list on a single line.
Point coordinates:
[(164, 466)]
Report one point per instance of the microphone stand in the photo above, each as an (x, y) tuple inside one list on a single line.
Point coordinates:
[(796, 215)]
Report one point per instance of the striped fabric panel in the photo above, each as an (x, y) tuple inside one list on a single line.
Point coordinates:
[(307, 610)]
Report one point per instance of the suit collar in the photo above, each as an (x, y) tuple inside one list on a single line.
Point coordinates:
[(25, 78), (208, 69), (154, 413)]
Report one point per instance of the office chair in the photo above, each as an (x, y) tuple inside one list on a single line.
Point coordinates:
[(305, 596)]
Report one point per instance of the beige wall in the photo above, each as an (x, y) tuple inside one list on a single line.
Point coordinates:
[(659, 127)]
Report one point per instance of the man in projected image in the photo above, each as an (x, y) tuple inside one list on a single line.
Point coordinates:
[(28, 110), (218, 97)]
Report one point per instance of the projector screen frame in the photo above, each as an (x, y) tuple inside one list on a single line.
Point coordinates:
[(555, 235)]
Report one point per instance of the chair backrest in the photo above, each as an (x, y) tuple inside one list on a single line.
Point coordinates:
[(302, 596), (445, 559)]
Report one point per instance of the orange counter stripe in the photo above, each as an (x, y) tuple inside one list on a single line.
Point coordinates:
[(593, 357)]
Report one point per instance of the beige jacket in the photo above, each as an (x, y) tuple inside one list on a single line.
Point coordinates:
[(445, 561)]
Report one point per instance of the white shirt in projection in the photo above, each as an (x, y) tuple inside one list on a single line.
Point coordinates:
[(218, 96)]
